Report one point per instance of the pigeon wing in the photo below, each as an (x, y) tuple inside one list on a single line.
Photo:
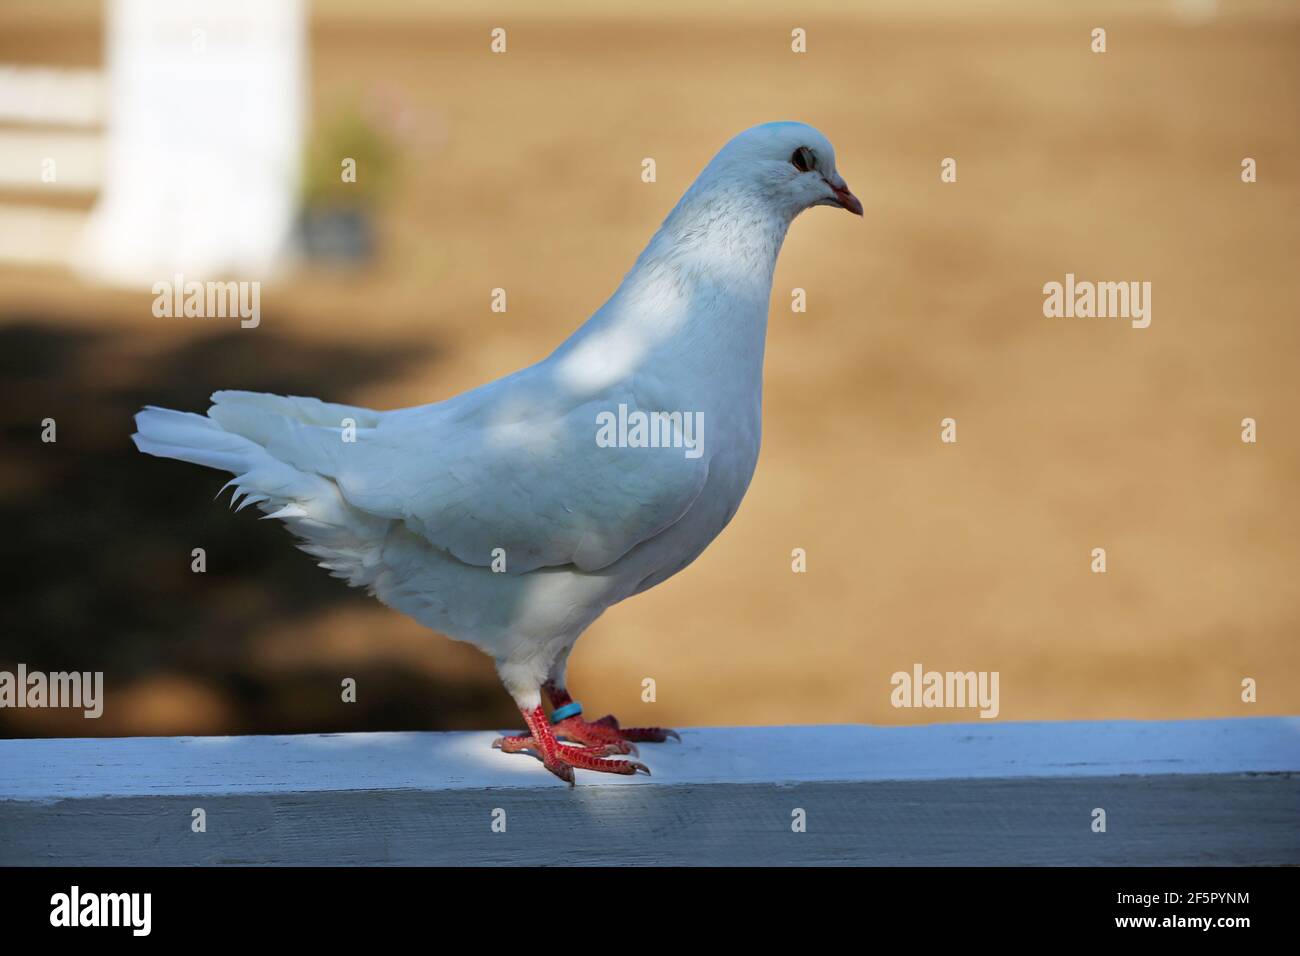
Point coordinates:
[(537, 485)]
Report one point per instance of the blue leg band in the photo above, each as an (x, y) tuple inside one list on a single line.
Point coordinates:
[(572, 709)]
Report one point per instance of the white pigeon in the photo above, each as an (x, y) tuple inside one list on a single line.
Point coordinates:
[(513, 515)]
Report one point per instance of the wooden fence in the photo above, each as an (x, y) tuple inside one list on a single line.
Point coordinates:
[(1184, 792)]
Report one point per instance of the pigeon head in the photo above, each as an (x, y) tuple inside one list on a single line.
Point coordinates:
[(709, 267), (789, 166)]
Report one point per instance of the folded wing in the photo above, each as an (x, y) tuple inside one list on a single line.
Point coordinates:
[(479, 475)]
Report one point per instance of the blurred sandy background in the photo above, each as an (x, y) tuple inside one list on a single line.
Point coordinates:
[(522, 171)]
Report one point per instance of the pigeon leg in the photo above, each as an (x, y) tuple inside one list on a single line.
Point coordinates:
[(604, 731), (559, 759)]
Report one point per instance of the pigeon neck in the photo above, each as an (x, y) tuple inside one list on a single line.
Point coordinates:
[(723, 236), (714, 256), (695, 302)]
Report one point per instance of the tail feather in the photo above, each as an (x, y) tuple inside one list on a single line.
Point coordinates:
[(308, 411), (282, 480), (193, 438)]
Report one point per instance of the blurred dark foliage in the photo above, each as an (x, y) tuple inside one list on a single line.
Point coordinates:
[(97, 537)]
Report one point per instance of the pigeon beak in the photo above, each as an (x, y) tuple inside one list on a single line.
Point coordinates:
[(845, 198)]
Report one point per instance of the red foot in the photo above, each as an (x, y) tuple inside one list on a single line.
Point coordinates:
[(561, 760), (605, 730)]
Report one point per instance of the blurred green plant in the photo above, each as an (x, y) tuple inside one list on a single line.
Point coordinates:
[(351, 166), (349, 138)]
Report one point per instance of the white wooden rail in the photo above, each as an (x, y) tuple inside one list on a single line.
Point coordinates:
[(1185, 792), (51, 145)]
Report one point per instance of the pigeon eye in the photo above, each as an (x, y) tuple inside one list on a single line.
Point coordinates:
[(803, 159)]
